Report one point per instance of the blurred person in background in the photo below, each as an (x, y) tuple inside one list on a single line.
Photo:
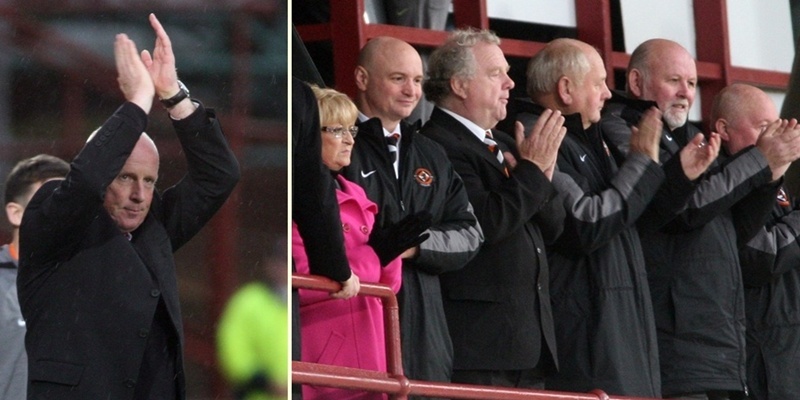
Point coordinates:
[(22, 182), (252, 335)]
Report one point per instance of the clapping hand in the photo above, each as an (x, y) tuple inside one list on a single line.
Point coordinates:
[(698, 155), (132, 76)]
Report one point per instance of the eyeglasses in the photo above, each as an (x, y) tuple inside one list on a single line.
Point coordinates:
[(339, 131)]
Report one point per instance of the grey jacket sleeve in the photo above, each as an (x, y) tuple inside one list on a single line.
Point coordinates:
[(595, 218), (456, 239), (772, 251), (721, 188)]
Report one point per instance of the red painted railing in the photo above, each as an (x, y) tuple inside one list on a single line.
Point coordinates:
[(394, 381)]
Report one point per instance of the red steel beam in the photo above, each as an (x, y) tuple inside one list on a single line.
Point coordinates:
[(470, 13), (711, 30), (347, 37), (593, 19)]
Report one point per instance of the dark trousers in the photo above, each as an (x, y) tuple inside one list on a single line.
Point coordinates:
[(710, 395), (518, 378)]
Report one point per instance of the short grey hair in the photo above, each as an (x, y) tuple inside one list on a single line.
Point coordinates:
[(454, 58), (559, 58)]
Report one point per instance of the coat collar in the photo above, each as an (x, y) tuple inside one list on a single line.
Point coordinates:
[(465, 136)]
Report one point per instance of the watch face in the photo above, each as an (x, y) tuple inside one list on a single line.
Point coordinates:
[(183, 87)]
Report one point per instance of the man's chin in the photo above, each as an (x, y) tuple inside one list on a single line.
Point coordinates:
[(676, 121)]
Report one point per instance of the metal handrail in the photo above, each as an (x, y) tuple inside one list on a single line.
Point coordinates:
[(394, 382)]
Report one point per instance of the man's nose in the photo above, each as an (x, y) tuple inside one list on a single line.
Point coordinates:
[(684, 89), (509, 82), (137, 191)]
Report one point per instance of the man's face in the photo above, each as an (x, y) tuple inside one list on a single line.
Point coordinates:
[(394, 83), (591, 93), (744, 128), (130, 194), (487, 92), (672, 83)]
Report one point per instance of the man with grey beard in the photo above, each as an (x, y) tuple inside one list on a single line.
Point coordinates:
[(690, 252)]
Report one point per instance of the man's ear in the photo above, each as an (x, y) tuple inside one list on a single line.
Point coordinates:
[(14, 213), (721, 127), (362, 78), (564, 90), (459, 86), (635, 82)]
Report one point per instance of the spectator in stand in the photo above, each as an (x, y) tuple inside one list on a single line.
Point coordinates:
[(770, 260), (406, 173), (350, 332), (692, 267), (314, 208), (598, 259), (22, 182), (498, 306)]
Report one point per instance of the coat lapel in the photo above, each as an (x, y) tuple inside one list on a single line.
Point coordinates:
[(467, 138)]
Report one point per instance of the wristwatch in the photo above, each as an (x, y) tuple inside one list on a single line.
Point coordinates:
[(172, 101)]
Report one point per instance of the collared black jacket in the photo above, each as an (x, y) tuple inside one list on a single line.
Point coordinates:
[(598, 277), (89, 295), (498, 306)]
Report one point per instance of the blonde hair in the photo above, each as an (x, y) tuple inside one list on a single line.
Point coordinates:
[(334, 107)]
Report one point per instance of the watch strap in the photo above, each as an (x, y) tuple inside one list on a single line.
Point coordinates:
[(177, 98)]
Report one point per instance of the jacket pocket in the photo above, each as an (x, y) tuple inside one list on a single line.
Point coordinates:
[(59, 372)]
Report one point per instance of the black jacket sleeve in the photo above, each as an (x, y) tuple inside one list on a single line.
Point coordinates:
[(314, 206), (60, 211)]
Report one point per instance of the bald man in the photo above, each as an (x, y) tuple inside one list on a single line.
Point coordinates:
[(693, 268), (770, 260), (406, 176), (97, 282), (600, 247)]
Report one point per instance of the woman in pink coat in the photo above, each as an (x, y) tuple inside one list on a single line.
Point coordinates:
[(334, 331)]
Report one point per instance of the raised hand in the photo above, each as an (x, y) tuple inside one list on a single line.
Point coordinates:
[(161, 64), (541, 145), (780, 145), (646, 136), (132, 76), (698, 155)]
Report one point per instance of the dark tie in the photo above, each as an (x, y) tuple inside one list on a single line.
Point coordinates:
[(391, 143), (492, 145)]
